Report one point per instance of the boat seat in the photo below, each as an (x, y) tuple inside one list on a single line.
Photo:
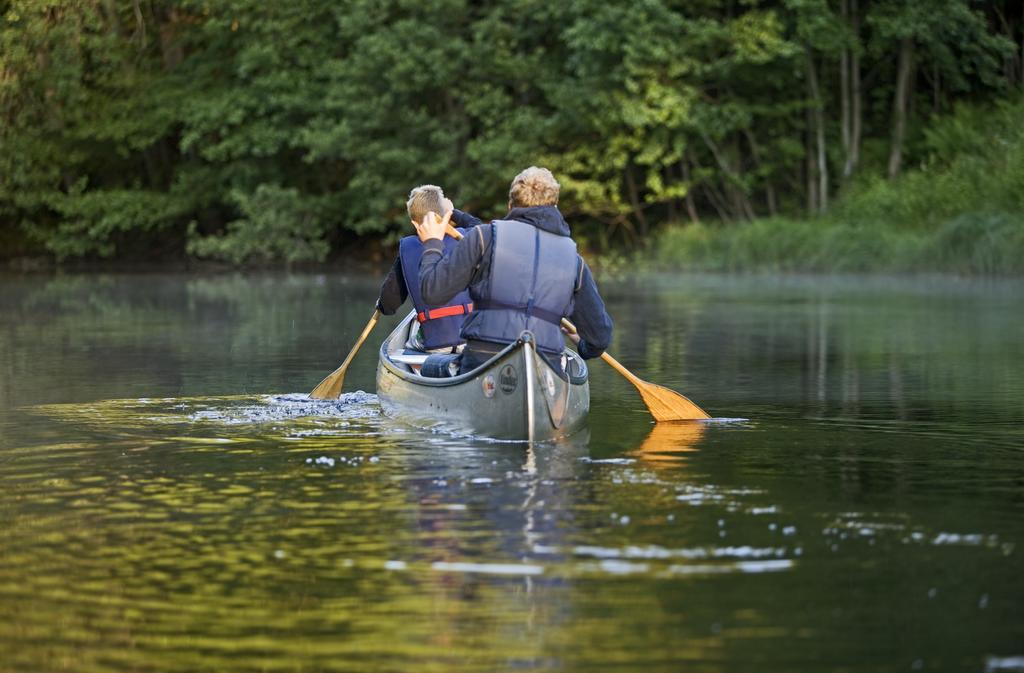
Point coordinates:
[(416, 359)]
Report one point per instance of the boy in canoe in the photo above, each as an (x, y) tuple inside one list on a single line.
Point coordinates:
[(439, 323), (522, 271)]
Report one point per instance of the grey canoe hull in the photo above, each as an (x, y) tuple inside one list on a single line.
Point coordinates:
[(516, 395)]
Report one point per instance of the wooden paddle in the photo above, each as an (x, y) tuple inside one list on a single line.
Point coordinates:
[(663, 403), (330, 387)]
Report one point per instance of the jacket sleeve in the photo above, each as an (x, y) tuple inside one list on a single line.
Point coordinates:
[(465, 220), (443, 276), (592, 321), (393, 292)]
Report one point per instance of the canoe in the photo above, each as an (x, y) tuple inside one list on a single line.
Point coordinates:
[(515, 395)]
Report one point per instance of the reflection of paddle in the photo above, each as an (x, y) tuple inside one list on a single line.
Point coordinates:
[(664, 404), (330, 387), (668, 441)]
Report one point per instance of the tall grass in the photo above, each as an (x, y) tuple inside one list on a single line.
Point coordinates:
[(960, 211)]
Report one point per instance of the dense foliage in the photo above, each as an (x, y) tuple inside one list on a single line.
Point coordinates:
[(252, 130)]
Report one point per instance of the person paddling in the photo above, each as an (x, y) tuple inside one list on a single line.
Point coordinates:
[(523, 273), (439, 323)]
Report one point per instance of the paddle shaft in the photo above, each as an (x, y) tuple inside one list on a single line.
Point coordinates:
[(330, 387), (615, 364), (362, 337)]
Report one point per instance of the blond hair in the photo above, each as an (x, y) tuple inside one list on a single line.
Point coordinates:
[(425, 199), (533, 187)]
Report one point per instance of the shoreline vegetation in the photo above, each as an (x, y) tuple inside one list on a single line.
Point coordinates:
[(848, 136), (960, 212), (968, 245)]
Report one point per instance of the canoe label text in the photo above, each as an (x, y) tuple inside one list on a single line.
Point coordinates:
[(508, 379)]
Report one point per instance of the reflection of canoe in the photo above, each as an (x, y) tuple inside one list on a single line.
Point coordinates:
[(514, 395)]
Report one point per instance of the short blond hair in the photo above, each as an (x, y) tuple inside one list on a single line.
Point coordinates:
[(534, 187), (425, 199)]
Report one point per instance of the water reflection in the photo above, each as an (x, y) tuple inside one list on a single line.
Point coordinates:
[(165, 505), (670, 442)]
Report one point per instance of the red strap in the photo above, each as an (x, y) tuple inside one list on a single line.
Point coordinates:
[(444, 312)]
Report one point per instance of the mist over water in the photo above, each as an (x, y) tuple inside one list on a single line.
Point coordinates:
[(170, 500)]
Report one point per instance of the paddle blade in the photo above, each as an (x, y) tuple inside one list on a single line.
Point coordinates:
[(330, 387), (668, 405), (663, 403)]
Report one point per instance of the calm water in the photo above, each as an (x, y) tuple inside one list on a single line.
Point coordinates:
[(169, 503)]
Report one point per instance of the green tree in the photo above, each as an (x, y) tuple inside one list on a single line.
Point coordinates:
[(256, 131)]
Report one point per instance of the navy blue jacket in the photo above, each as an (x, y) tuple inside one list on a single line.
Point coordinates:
[(394, 291), (441, 277)]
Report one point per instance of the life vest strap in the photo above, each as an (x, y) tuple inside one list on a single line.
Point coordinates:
[(531, 311), (444, 312)]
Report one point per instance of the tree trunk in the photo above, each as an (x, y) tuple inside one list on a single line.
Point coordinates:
[(171, 48), (691, 207), (1020, 63), (717, 202), (844, 86), (773, 202), (769, 189), (818, 118), (627, 225), (152, 169), (634, 200), (809, 171), (110, 9), (856, 97), (666, 176), (899, 105), (1013, 64), (140, 25), (857, 126), (715, 198), (741, 205), (739, 189)]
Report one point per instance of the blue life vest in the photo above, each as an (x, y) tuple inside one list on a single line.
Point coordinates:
[(439, 324), (531, 286)]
